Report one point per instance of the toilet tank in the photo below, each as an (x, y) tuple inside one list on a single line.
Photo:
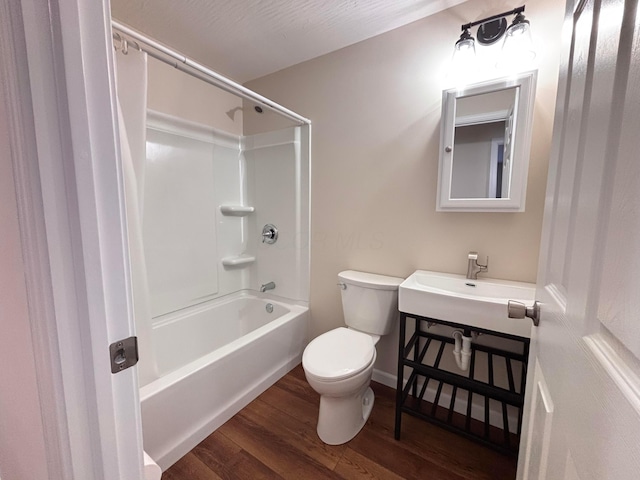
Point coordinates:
[(369, 301)]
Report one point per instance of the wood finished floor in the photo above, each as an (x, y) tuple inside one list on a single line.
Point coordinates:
[(274, 437)]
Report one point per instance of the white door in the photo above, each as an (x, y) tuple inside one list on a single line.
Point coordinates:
[(582, 406), (56, 57)]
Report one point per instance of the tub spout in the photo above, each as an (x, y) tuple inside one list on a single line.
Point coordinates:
[(267, 286)]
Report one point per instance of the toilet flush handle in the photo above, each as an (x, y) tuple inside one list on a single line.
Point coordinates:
[(343, 286)]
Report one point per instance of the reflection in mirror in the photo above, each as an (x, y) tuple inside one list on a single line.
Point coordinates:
[(483, 129), (485, 140)]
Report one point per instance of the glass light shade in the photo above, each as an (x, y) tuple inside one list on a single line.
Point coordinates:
[(518, 45), (465, 47), (464, 58), (464, 54)]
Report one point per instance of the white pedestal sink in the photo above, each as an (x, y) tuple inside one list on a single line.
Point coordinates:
[(477, 303)]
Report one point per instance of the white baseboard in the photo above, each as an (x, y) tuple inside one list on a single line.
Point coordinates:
[(477, 406), (385, 378)]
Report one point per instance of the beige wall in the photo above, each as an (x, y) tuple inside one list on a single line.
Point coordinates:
[(176, 93), (375, 108)]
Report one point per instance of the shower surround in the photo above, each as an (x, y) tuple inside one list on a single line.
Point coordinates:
[(215, 345)]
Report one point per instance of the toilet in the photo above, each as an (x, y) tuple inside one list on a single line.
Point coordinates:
[(338, 364)]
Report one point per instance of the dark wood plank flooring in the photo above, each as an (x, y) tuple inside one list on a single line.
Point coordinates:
[(274, 437)]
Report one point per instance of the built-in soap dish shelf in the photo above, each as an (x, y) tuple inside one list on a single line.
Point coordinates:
[(236, 210), (238, 260)]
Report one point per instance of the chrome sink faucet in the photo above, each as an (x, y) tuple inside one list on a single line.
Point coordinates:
[(267, 286), (474, 268)]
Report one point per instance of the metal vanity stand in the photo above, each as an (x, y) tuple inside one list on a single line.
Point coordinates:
[(423, 355)]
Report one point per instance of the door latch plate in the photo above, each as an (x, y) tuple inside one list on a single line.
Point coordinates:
[(124, 354)]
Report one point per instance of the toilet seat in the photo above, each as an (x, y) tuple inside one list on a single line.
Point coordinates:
[(338, 354)]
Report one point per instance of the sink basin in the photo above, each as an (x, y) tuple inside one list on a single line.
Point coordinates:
[(478, 303)]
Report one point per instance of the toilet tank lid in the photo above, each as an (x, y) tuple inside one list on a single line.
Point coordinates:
[(370, 280)]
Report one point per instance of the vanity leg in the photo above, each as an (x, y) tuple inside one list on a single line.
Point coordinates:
[(399, 386)]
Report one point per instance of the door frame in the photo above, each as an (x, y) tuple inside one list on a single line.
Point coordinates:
[(59, 95)]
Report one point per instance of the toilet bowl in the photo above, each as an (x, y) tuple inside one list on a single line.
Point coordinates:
[(338, 364)]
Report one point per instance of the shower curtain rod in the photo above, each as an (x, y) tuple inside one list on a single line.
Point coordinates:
[(197, 70)]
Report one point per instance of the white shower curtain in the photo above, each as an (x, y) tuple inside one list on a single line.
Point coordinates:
[(131, 75)]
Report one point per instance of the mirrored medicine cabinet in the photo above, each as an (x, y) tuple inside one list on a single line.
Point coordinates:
[(485, 139)]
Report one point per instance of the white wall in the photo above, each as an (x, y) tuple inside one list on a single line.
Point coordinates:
[(375, 108)]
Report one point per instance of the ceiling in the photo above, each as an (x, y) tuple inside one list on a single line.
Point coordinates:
[(247, 39)]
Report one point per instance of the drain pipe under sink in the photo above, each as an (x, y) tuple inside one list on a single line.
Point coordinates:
[(462, 355)]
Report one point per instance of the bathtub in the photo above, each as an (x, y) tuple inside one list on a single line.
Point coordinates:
[(213, 360)]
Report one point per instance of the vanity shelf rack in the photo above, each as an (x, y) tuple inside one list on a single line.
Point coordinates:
[(423, 355)]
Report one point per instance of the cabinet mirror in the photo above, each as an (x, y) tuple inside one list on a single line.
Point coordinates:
[(485, 140)]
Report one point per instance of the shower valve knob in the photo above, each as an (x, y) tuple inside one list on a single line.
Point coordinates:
[(269, 234)]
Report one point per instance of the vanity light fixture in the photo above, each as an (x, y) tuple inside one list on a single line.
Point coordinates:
[(517, 36)]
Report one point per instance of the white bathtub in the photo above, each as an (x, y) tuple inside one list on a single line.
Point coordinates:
[(214, 360)]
